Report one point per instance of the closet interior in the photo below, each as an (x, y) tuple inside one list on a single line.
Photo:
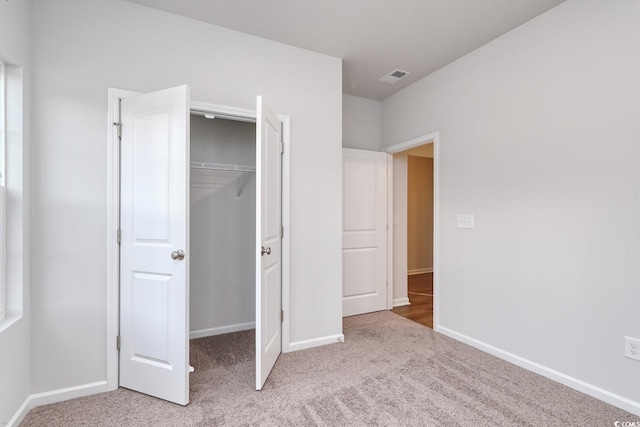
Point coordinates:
[(222, 226)]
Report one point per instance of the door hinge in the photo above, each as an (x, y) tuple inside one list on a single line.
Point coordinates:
[(281, 147), (119, 236), (118, 125), (118, 342), (281, 316), (282, 231)]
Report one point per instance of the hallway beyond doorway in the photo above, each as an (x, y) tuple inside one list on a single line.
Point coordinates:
[(421, 298)]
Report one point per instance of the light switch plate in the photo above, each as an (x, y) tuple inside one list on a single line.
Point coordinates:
[(465, 221)]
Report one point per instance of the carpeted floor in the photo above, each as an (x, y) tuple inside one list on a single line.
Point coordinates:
[(390, 371)]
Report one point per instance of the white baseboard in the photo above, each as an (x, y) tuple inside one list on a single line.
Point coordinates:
[(316, 342), (419, 271), (22, 412), (574, 383), (54, 396), (201, 333), (401, 301)]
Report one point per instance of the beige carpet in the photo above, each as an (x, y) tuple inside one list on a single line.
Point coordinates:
[(390, 371)]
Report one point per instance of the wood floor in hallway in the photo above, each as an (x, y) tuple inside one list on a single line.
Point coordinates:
[(421, 299)]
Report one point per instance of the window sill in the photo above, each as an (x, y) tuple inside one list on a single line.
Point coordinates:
[(7, 322)]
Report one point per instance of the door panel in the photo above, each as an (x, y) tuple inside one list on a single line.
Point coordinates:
[(360, 270), (364, 232), (154, 312), (150, 301), (360, 213), (268, 237)]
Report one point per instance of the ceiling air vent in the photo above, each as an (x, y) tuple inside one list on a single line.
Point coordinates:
[(395, 76)]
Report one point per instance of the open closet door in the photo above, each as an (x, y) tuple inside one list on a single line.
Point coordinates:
[(268, 239), (154, 311)]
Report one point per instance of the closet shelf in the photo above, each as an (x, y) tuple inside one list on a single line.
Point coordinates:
[(222, 167), (218, 175)]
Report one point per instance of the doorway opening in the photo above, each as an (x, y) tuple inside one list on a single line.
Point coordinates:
[(414, 243), (222, 218)]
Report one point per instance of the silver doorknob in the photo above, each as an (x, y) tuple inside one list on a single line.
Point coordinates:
[(179, 254), (265, 251)]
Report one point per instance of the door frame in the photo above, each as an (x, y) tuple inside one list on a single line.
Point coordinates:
[(113, 220), (431, 138)]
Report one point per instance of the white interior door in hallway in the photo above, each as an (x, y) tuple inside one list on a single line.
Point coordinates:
[(364, 232)]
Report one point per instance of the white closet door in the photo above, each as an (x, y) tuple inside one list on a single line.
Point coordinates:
[(154, 311), (364, 232), (269, 241)]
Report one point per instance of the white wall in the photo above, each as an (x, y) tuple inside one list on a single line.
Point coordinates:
[(222, 265), (539, 139), (15, 338), (83, 47), (400, 175), (419, 213), (361, 123)]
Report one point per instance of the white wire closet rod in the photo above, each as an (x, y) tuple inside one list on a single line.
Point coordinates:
[(223, 167)]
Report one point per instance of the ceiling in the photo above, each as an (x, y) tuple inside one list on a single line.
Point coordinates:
[(373, 37)]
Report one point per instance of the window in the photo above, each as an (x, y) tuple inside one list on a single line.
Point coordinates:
[(13, 204)]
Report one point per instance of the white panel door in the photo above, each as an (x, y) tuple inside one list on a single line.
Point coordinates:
[(154, 311), (364, 232), (268, 239)]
